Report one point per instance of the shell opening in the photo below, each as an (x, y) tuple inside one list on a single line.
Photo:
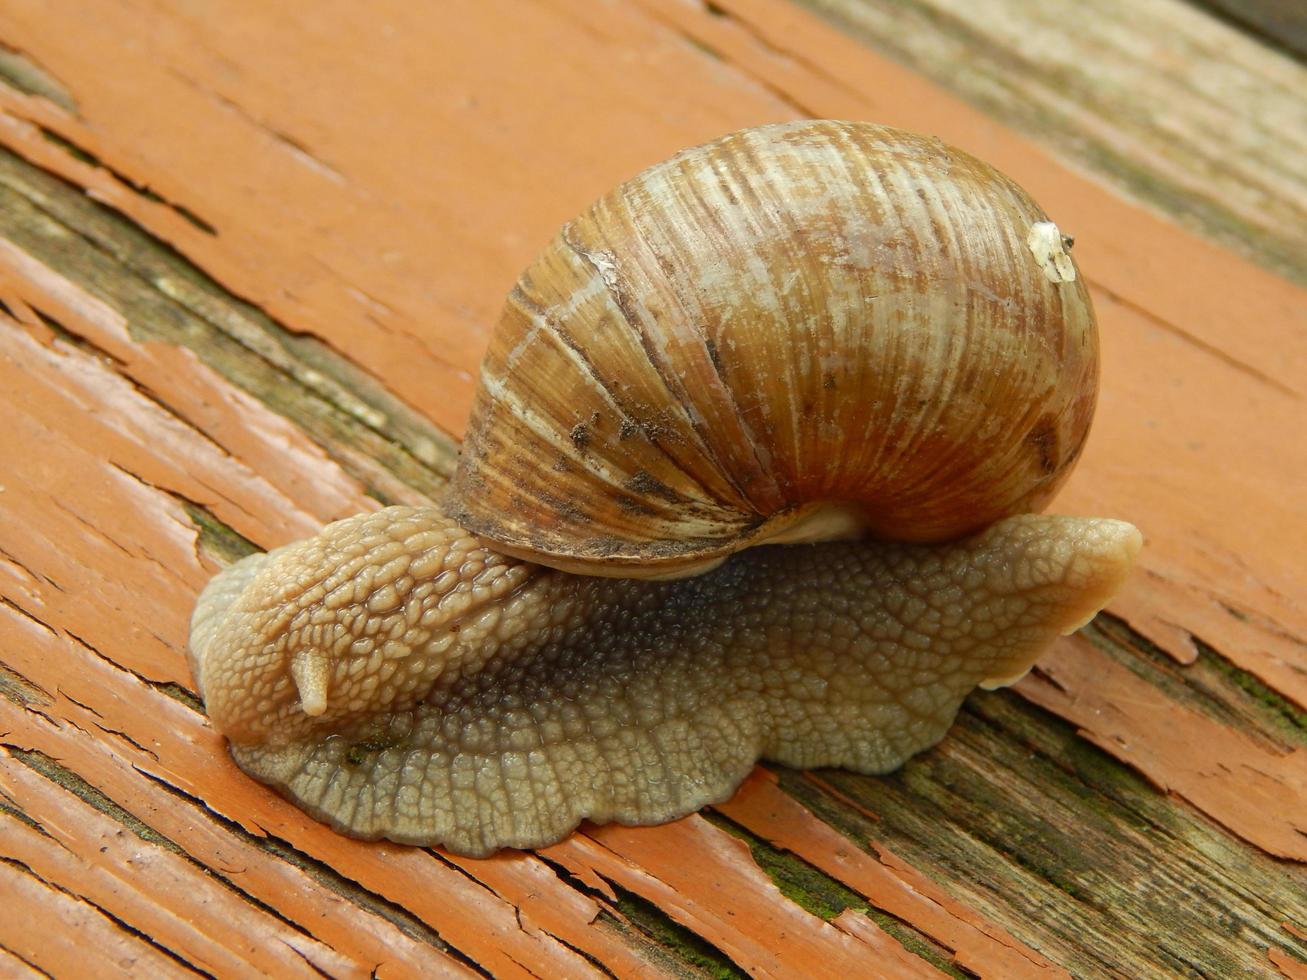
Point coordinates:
[(817, 522)]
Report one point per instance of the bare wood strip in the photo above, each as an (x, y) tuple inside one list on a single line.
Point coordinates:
[(979, 946), (1169, 103), (891, 957), (721, 895), (1262, 793)]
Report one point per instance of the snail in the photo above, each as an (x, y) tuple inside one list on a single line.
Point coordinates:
[(860, 354)]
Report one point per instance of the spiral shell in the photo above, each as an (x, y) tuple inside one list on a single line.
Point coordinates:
[(796, 332)]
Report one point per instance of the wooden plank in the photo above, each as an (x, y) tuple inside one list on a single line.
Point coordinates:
[(1273, 784), (1166, 102), (159, 426), (977, 945), (1278, 22), (56, 933), (69, 844)]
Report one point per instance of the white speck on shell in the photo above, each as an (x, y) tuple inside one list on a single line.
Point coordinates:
[(1049, 246)]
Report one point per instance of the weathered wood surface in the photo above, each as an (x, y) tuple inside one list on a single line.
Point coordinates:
[(247, 264), (1161, 99), (1280, 23)]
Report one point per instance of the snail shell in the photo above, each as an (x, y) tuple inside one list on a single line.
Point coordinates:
[(797, 332)]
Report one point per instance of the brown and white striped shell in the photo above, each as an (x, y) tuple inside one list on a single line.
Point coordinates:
[(798, 331)]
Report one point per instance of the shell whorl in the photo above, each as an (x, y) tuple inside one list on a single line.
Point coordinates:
[(791, 332)]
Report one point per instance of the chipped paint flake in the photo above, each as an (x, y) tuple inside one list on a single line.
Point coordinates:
[(1051, 250)]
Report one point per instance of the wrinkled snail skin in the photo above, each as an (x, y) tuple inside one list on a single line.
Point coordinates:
[(821, 332), (829, 323), (397, 679)]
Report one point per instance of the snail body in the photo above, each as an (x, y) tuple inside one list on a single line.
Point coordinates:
[(464, 697), (833, 334)]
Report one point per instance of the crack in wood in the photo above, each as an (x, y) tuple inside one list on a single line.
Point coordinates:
[(83, 155), (989, 806), (1178, 330), (69, 780), (169, 689), (297, 148), (24, 960), (28, 615), (122, 924), (19, 69), (11, 807), (186, 305), (323, 874)]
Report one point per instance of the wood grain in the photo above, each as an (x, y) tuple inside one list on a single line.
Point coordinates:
[(1281, 23), (242, 279), (1173, 106)]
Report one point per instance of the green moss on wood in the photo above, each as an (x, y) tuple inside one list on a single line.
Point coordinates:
[(816, 892), (1213, 684), (18, 689), (215, 537), (1278, 710), (684, 945)]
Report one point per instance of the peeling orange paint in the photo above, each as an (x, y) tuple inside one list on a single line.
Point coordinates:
[(979, 947), (892, 959), (377, 182), (53, 931), (90, 855), (1287, 965), (721, 895), (1259, 794), (310, 488), (177, 750)]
